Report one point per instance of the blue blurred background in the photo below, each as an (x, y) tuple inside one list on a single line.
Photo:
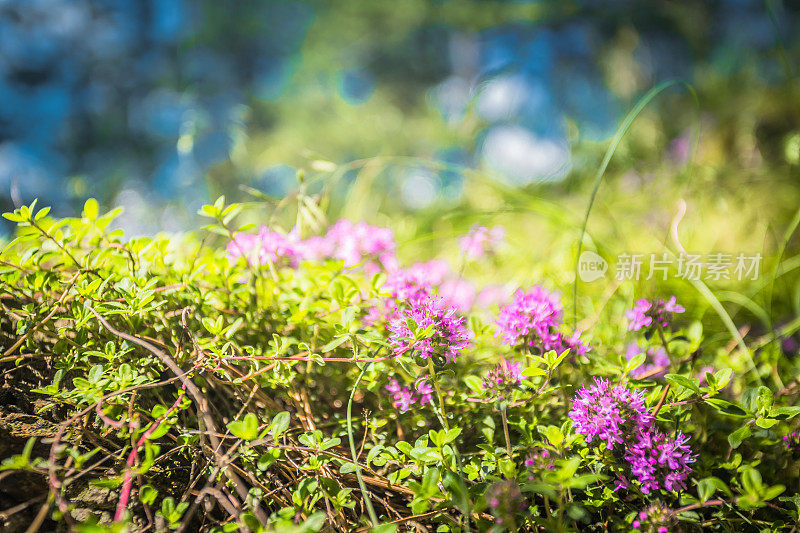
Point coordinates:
[(161, 105)]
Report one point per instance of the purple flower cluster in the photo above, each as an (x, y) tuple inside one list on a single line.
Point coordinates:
[(532, 319), (421, 281), (404, 397), (537, 461), (505, 500), (482, 240), (354, 243), (646, 314), (504, 377), (441, 332), (415, 282), (266, 246), (656, 518), (609, 413), (657, 460), (792, 441), (617, 415), (656, 358)]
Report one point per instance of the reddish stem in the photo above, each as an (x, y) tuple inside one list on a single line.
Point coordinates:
[(128, 482)]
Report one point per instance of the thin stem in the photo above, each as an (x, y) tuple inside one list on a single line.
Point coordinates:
[(371, 510), (432, 371), (661, 400), (505, 431), (443, 420)]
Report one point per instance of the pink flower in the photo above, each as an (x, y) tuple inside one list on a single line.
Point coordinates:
[(362, 243), (403, 398), (372, 247), (658, 461), (425, 390), (529, 318), (612, 414), (446, 334), (533, 319), (645, 313), (458, 293), (792, 442), (267, 246), (481, 240), (505, 376), (656, 518)]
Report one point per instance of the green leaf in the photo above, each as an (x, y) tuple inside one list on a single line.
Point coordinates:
[(330, 443), (554, 435), (474, 383), (335, 343), (773, 492), (147, 494), (785, 413), (727, 407), (42, 213), (735, 439), (452, 434), (279, 424), (90, 209), (751, 480), (347, 468), (533, 371), (765, 423), (683, 381), (107, 483), (246, 429), (723, 377), (706, 488)]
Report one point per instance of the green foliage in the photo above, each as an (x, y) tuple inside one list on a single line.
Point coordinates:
[(154, 347)]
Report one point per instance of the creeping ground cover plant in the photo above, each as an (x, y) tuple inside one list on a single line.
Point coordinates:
[(311, 377)]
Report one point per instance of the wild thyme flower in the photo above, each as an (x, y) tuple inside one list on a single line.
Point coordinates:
[(441, 331), (354, 243), (416, 281), (646, 314), (533, 319), (504, 377), (792, 441), (573, 343), (505, 500), (537, 461), (431, 277), (458, 293), (403, 397), (362, 243), (530, 318), (611, 413), (658, 461), (425, 390), (267, 246), (656, 518), (482, 240)]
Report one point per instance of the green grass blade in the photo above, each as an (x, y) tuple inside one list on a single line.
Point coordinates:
[(612, 148)]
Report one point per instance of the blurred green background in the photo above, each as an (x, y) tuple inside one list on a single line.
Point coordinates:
[(167, 103), (427, 116)]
